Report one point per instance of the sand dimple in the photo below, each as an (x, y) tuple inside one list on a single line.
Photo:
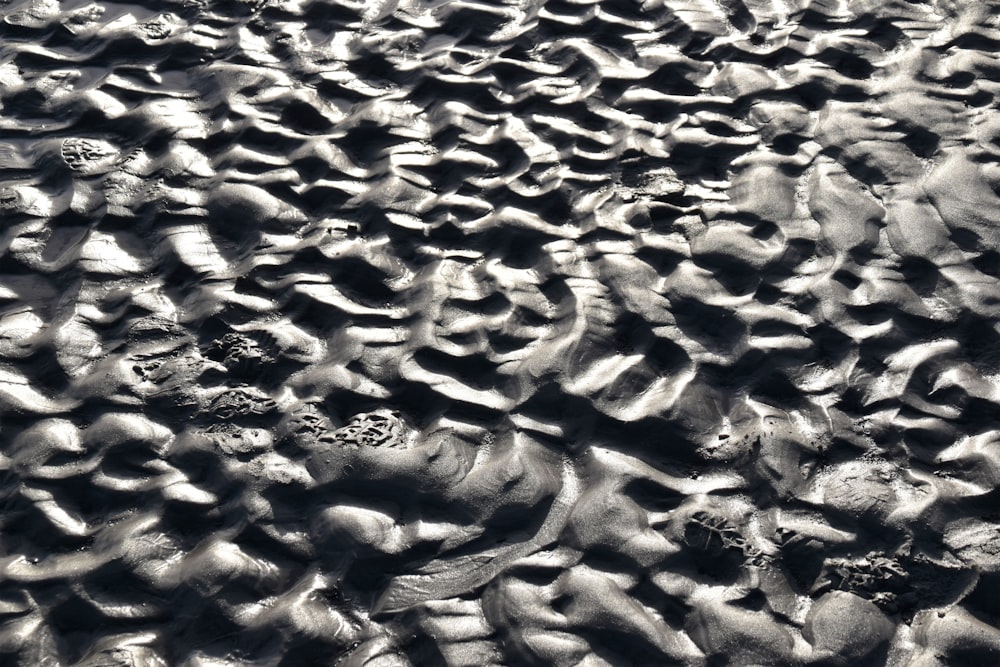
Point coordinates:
[(860, 488)]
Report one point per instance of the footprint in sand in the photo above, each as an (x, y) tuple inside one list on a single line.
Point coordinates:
[(88, 156), (381, 428)]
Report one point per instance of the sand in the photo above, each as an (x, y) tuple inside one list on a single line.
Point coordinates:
[(475, 333)]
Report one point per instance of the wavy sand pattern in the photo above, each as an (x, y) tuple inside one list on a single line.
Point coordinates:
[(576, 332)]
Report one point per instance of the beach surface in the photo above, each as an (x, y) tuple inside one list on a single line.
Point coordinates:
[(569, 332)]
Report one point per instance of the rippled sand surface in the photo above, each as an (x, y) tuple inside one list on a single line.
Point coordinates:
[(499, 333)]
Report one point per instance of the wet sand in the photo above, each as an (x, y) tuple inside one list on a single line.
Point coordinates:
[(499, 333)]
